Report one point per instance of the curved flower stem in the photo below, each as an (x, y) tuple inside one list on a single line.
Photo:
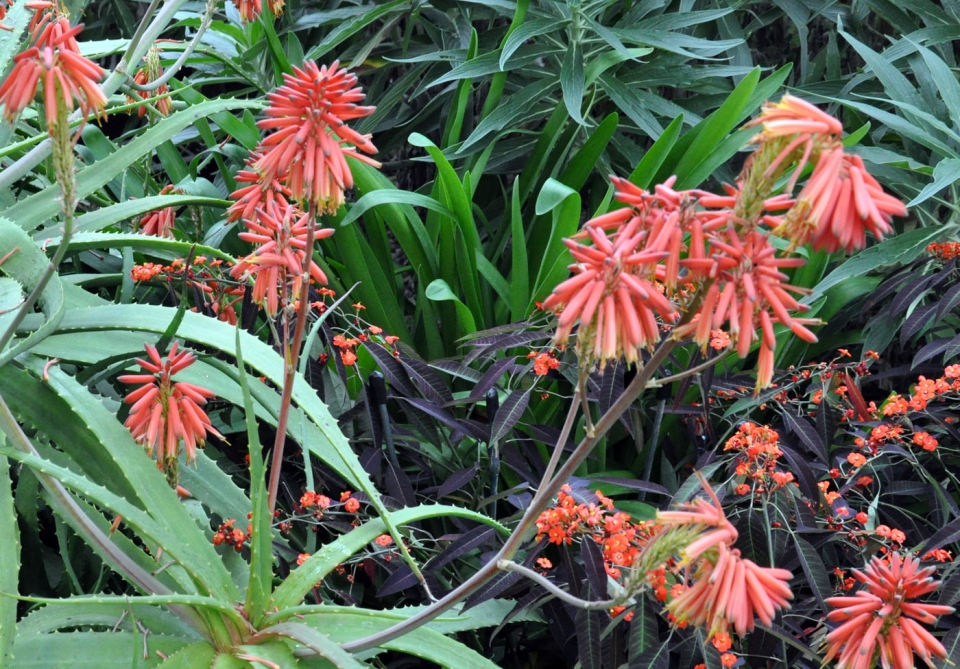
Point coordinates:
[(547, 489), (582, 388), (560, 593), (706, 364), (564, 435), (291, 355), (205, 22)]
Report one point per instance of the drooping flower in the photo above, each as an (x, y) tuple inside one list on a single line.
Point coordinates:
[(160, 222), (249, 9), (55, 62), (150, 72), (3, 15), (277, 262), (166, 412), (883, 618), (307, 151), (727, 591), (276, 6)]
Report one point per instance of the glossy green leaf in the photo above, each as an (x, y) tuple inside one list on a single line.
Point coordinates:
[(656, 154), (440, 291)]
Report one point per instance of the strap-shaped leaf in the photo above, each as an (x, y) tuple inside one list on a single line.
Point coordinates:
[(92, 650), (10, 559), (34, 211), (27, 263), (316, 641)]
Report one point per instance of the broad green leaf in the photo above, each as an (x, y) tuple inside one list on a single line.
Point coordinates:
[(563, 204), (27, 263), (295, 587), (552, 195), (895, 250), (440, 291), (656, 154), (170, 248), (582, 164), (92, 650), (377, 198), (33, 211), (945, 174), (10, 559)]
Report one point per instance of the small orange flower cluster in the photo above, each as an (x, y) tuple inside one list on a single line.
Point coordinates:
[(720, 589), (881, 619), (310, 499), (151, 71), (350, 503), (945, 251), (229, 535), (220, 296), (55, 59), (383, 540), (346, 346), (706, 257), (166, 412), (924, 391), (759, 457), (543, 362), (620, 538), (159, 223)]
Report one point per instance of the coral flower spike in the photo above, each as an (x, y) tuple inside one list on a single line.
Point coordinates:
[(309, 113), (166, 412), (882, 618)]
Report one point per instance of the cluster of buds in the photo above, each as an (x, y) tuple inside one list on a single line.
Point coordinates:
[(160, 222), (216, 294), (543, 362), (702, 264), (945, 251), (55, 62), (758, 460), (250, 10), (229, 535)]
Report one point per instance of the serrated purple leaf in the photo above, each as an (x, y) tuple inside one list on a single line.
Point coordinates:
[(490, 378), (510, 413), (392, 370), (814, 570), (427, 380), (492, 589), (398, 485), (805, 476), (807, 433), (458, 480), (400, 580), (909, 293), (501, 343), (594, 567), (456, 368), (826, 425)]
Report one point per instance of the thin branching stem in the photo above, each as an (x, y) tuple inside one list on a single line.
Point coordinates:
[(560, 593)]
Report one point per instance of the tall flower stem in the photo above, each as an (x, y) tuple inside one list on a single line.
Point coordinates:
[(545, 492), (291, 355)]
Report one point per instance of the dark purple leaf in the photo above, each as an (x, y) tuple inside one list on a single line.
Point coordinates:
[(398, 485), (950, 591), (589, 625), (492, 589), (400, 580), (457, 369), (807, 432), (934, 349), (427, 380), (916, 321), (511, 456), (611, 386), (509, 414), (458, 480), (370, 460), (593, 565), (633, 484), (909, 293), (446, 417), (547, 434), (826, 425), (814, 570), (948, 534), (951, 643), (479, 536), (657, 657), (392, 370), (490, 378), (948, 302), (644, 630), (490, 335), (805, 476), (505, 342)]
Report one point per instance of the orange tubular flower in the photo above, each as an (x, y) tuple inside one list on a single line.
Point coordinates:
[(268, 195), (276, 6), (56, 60), (278, 261), (882, 617), (249, 9), (728, 591), (160, 223), (307, 151), (151, 71), (166, 412)]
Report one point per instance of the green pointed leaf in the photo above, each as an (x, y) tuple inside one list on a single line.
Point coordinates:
[(33, 211), (92, 650), (95, 221), (316, 641), (571, 82), (10, 559)]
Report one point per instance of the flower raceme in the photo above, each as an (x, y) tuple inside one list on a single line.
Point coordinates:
[(55, 62), (695, 262), (166, 412), (727, 590), (307, 152), (160, 223), (883, 618), (277, 262)]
